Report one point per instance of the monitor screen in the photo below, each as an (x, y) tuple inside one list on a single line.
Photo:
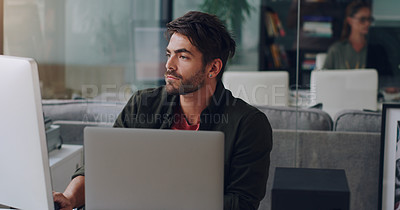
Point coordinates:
[(25, 181)]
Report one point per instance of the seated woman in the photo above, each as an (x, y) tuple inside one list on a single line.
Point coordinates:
[(353, 51)]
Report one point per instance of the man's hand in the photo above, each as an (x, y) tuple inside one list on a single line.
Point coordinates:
[(73, 196), (64, 202)]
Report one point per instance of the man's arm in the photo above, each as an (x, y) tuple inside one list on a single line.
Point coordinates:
[(73, 196), (249, 165)]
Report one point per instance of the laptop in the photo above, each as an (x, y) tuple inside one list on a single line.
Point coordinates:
[(344, 89), (127, 168)]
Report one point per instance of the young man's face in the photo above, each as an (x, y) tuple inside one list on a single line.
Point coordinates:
[(186, 72)]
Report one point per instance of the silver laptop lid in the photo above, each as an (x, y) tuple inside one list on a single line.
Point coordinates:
[(344, 89), (153, 169)]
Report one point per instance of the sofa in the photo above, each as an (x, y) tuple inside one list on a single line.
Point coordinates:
[(74, 115), (302, 138), (357, 153)]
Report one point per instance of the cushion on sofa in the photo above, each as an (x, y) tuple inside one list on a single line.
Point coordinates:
[(307, 119), (72, 131), (82, 110), (74, 115), (357, 121)]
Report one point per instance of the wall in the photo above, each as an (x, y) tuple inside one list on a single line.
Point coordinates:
[(386, 10), (75, 42)]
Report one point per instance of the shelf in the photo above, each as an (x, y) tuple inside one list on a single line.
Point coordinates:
[(321, 23)]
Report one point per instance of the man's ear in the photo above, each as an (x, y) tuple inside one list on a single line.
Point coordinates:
[(349, 21), (215, 67)]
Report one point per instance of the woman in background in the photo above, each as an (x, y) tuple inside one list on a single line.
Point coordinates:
[(351, 51)]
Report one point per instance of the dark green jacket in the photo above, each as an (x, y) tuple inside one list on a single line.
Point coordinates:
[(248, 138)]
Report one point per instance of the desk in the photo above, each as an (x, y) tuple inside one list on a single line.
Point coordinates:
[(63, 163), (301, 98)]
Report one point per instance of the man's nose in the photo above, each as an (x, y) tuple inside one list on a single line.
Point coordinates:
[(170, 64)]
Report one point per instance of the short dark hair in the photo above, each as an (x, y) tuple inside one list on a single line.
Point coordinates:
[(207, 33)]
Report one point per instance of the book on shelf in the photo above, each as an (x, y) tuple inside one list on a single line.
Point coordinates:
[(318, 26), (278, 24), (269, 25), (273, 24), (268, 57), (309, 61), (284, 57), (275, 54), (278, 57)]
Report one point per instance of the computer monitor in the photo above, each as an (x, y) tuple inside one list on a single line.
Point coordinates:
[(341, 89), (25, 181), (259, 87)]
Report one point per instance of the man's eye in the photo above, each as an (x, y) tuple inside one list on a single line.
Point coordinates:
[(183, 57), (168, 55)]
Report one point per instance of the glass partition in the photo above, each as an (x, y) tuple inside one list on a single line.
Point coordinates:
[(104, 50), (245, 32), (90, 49), (298, 37), (98, 49)]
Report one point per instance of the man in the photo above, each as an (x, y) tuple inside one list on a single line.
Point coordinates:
[(194, 99)]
